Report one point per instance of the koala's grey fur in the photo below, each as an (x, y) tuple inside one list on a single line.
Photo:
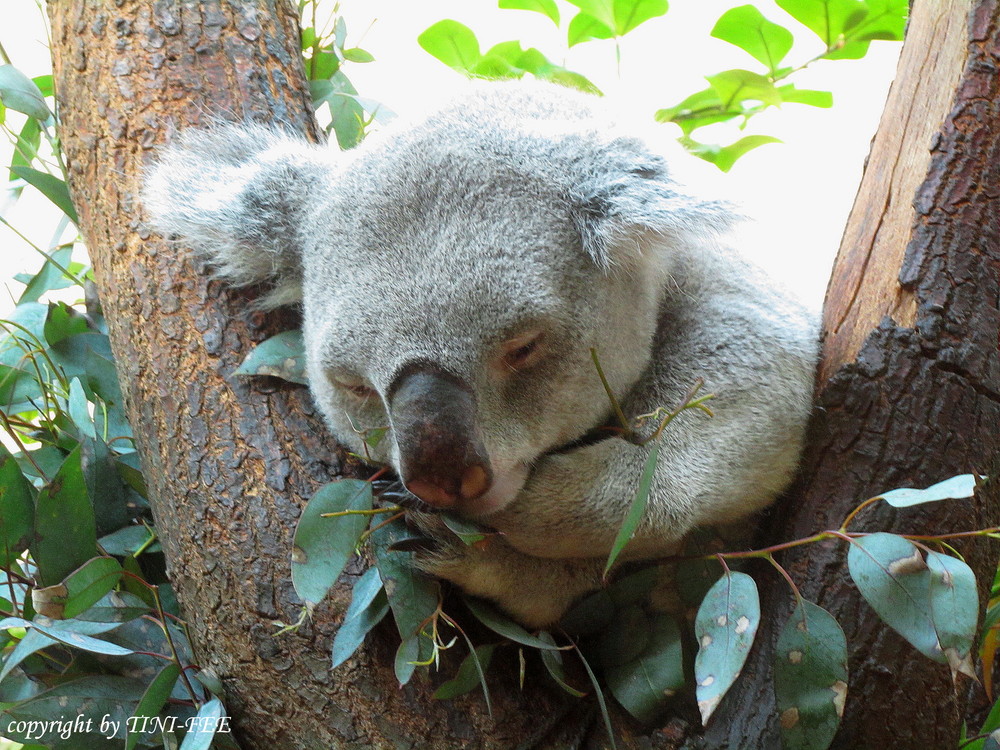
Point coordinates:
[(517, 207)]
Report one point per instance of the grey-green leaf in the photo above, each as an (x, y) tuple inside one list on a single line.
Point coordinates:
[(892, 576), (498, 623), (322, 546), (957, 488), (471, 673), (725, 627), (369, 604), (282, 356), (810, 678), (954, 609), (208, 721), (21, 94)]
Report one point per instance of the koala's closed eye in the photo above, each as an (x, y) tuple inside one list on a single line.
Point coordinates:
[(353, 386), (521, 352)]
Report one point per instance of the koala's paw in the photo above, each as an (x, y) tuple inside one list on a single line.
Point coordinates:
[(534, 591)]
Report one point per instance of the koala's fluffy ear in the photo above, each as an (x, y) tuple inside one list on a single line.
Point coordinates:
[(239, 195), (627, 197)]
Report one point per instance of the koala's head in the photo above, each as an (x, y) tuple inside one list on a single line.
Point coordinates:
[(454, 272)]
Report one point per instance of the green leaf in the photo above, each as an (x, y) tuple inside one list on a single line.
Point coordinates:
[(643, 684), (126, 540), (636, 510), (828, 19), (407, 656), (452, 43), (954, 610), (725, 156), (810, 678), (50, 276), (792, 95), (737, 86), (469, 532), (17, 509), (34, 639), (20, 93), (348, 120), (26, 148), (956, 488), (471, 673), (116, 607), (585, 27), (63, 321), (747, 28), (413, 597), (94, 698), (80, 590), (153, 700), (282, 356), (601, 703), (553, 661), (369, 604), (51, 187), (725, 626), (78, 409), (545, 7), (595, 612), (205, 725), (498, 623), (105, 488), (73, 638), (322, 546), (65, 530), (892, 576), (620, 16), (358, 55)]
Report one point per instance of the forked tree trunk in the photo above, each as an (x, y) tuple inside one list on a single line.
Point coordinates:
[(230, 463)]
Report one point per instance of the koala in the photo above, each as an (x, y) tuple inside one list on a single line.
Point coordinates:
[(454, 272)]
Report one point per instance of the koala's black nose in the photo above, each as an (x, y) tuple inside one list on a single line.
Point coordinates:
[(441, 454)]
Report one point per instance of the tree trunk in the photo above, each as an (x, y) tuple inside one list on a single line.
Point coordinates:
[(909, 386), (229, 463), (909, 399)]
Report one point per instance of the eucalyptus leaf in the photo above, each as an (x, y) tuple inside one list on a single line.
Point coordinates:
[(725, 627), (954, 607), (810, 678), (655, 674), (956, 488), (503, 625), (452, 43), (51, 187), (636, 509), (152, 701), (322, 546), (80, 590), (471, 674), (17, 509), (204, 726), (369, 604), (281, 356), (20, 93), (894, 579)]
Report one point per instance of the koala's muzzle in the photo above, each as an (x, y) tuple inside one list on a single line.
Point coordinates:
[(441, 454)]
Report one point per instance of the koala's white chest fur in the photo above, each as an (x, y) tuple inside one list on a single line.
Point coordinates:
[(455, 273)]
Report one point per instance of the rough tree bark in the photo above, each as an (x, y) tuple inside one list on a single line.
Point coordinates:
[(906, 400)]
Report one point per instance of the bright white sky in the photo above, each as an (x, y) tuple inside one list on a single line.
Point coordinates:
[(800, 191)]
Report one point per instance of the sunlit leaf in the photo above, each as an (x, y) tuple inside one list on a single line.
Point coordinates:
[(725, 156), (74, 638), (584, 27), (51, 187), (20, 93), (747, 28), (80, 590), (452, 43), (545, 7), (810, 678), (725, 627), (791, 95), (828, 19), (322, 546)]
